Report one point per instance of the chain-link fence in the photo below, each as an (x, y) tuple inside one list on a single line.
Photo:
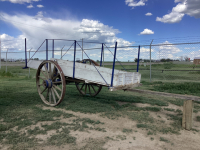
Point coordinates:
[(157, 62)]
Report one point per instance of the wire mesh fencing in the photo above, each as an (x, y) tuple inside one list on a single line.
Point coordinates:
[(175, 62), (165, 62)]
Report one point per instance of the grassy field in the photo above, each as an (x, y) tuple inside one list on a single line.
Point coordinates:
[(27, 123), (166, 75), (180, 82)]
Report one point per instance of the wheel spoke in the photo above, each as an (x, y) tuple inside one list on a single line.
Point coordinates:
[(93, 88), (56, 93), (40, 84), (85, 88), (56, 87), (44, 74), (57, 82), (54, 71), (53, 96), (82, 86), (43, 90), (42, 78), (89, 89), (55, 76), (50, 96), (50, 76), (47, 94), (46, 70)]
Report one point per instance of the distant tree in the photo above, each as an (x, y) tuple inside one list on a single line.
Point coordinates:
[(136, 59), (36, 58), (163, 60), (166, 60), (146, 60), (186, 58)]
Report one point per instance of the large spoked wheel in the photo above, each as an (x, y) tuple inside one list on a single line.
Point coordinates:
[(89, 89), (50, 82)]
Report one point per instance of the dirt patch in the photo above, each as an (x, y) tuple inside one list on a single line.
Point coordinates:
[(114, 137)]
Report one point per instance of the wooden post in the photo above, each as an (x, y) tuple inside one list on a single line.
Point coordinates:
[(187, 120)]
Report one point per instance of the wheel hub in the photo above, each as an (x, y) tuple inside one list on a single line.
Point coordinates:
[(48, 83)]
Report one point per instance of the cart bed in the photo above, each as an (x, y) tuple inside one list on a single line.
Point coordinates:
[(89, 74)]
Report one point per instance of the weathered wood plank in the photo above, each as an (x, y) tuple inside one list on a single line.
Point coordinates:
[(187, 120)]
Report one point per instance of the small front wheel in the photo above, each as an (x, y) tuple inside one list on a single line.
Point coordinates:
[(50, 82)]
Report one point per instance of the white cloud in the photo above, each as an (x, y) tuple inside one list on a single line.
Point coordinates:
[(20, 1), (146, 31), (12, 43), (194, 54), (30, 6), (167, 51), (38, 28), (169, 48), (173, 17), (148, 14), (40, 6), (184, 7), (134, 3)]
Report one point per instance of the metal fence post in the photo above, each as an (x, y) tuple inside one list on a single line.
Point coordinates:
[(101, 54), (74, 58), (138, 61), (0, 51), (47, 52), (29, 67), (113, 64), (150, 60), (6, 60), (82, 48), (25, 56), (53, 48)]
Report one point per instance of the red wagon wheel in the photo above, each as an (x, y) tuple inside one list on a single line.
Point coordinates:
[(50, 82), (90, 89)]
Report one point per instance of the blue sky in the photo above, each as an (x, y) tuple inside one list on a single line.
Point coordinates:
[(130, 22)]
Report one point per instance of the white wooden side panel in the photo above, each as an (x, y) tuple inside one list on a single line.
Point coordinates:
[(89, 74), (34, 64)]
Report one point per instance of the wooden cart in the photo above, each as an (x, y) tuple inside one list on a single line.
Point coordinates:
[(53, 75)]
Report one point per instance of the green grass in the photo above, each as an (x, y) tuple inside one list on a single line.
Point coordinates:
[(54, 126), (179, 88), (36, 131), (127, 130), (121, 137), (164, 140), (166, 76), (6, 74), (198, 118), (140, 117), (189, 88), (61, 138), (180, 82), (19, 141), (169, 109)]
